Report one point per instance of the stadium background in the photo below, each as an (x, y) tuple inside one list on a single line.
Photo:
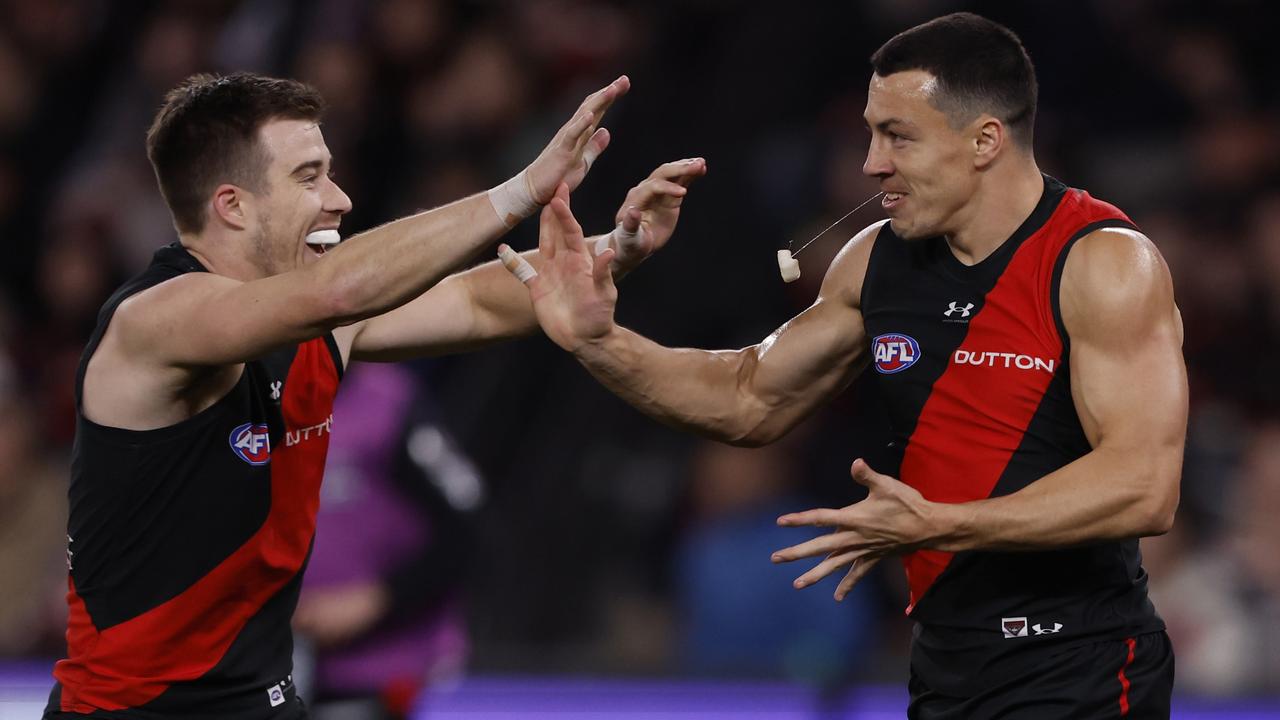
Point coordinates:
[(607, 545)]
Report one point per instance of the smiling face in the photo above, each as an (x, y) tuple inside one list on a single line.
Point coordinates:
[(926, 167), (298, 196)]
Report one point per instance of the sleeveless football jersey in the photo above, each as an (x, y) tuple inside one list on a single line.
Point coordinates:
[(187, 543), (973, 365)]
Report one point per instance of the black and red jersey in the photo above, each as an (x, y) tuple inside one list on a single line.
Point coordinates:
[(187, 543), (973, 362)]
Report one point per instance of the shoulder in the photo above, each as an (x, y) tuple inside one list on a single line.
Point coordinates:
[(169, 301), (1113, 278), (847, 272)]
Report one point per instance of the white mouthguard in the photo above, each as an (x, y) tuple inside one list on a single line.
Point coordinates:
[(324, 237)]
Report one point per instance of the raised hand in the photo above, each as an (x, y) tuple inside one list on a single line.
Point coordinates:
[(648, 215), (569, 155), (892, 520), (572, 291)]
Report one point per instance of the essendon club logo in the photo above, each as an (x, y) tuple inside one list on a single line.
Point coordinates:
[(251, 443), (1014, 627), (894, 352)]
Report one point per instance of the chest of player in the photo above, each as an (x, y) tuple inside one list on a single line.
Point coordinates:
[(286, 405), (973, 344)]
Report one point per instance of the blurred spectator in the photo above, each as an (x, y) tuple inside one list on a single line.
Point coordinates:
[(1221, 599), (381, 603), (33, 523), (740, 614)]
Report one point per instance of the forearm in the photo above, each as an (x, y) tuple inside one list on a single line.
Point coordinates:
[(692, 390), (499, 303), (1108, 494), (386, 267)]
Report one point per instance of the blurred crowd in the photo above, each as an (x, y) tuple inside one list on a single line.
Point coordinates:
[(595, 540)]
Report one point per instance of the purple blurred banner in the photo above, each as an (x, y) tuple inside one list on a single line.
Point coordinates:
[(25, 686), (484, 698)]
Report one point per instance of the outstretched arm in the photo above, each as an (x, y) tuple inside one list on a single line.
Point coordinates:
[(750, 396), (486, 304), (1129, 384), (183, 323)]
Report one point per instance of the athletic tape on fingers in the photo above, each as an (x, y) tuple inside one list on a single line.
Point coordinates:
[(524, 272), (589, 155)]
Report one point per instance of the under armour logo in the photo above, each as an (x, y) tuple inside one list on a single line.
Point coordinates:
[(275, 389), (1040, 630), (953, 308)]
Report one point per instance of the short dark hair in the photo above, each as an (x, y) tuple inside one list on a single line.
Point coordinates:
[(981, 66), (206, 134)]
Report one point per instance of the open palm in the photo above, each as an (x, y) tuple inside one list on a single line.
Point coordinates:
[(572, 292), (649, 213)]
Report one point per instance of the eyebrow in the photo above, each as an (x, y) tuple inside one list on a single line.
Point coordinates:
[(308, 165), (883, 125)]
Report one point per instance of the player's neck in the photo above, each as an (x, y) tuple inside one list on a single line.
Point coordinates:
[(1003, 202), (222, 256)]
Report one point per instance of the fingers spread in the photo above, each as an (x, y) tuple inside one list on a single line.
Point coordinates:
[(860, 568), (834, 562), (818, 546)]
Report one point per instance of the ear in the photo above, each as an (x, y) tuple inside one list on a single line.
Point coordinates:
[(989, 138), (232, 206)]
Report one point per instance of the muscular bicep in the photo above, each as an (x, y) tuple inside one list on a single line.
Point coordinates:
[(804, 363), (1128, 378), (814, 356), (204, 319)]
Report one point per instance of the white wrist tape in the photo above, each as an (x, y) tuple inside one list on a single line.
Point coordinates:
[(513, 200), (622, 241)]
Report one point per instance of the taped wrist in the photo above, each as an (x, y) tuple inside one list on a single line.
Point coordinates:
[(513, 200), (623, 242)]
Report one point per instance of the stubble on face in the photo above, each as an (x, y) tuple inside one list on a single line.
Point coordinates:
[(261, 245)]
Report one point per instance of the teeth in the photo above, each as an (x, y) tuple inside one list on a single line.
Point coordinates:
[(892, 197)]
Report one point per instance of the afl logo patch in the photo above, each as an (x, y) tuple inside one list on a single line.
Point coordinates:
[(894, 352), (252, 443)]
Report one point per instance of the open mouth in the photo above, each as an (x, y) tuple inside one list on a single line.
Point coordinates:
[(891, 200)]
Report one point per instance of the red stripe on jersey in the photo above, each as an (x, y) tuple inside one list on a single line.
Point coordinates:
[(132, 663), (980, 407), (1124, 681)]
